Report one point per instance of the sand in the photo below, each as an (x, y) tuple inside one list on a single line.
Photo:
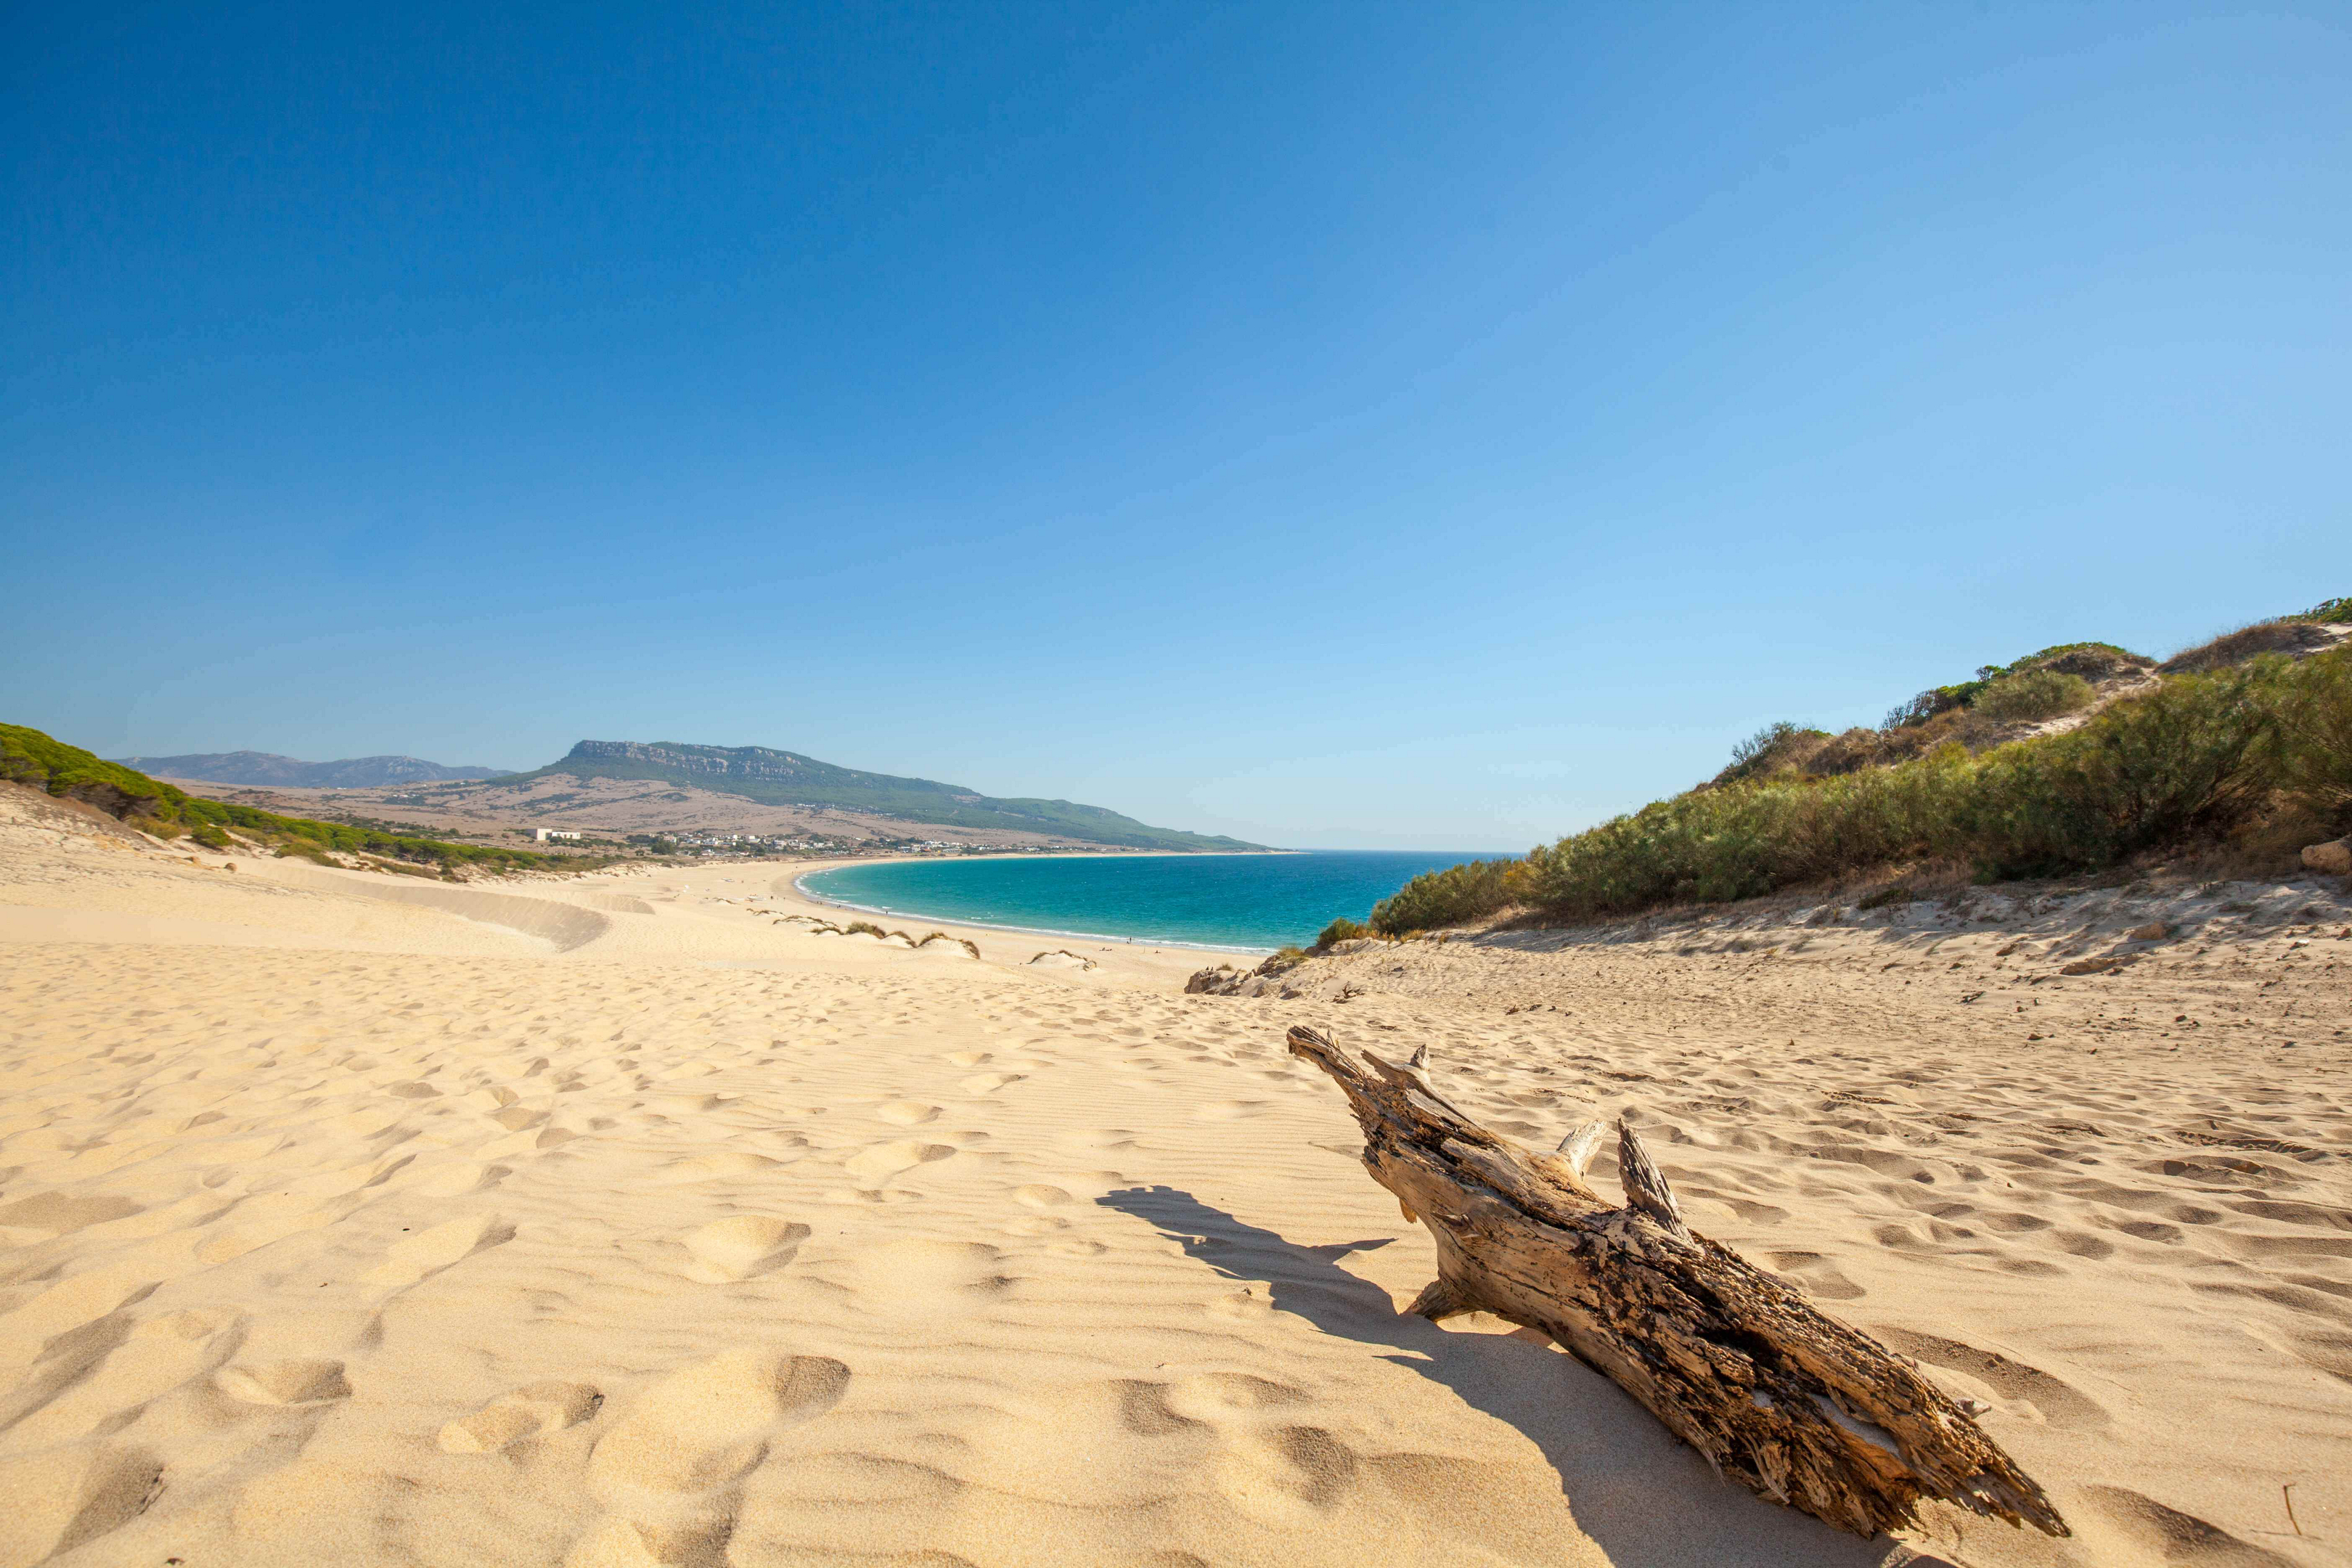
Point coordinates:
[(349, 1220)]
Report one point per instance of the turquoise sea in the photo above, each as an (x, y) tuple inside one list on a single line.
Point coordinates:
[(1247, 902)]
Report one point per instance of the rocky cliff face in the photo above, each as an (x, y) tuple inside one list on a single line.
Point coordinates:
[(742, 762)]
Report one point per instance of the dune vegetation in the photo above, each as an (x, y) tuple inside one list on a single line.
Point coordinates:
[(29, 757), (2247, 740)]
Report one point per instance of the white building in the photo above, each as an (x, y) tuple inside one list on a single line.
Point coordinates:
[(542, 834)]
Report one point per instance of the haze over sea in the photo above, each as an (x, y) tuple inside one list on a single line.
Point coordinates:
[(1251, 902)]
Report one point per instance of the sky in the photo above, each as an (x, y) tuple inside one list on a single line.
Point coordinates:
[(1440, 426)]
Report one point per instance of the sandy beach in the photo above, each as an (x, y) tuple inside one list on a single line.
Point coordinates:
[(364, 1220)]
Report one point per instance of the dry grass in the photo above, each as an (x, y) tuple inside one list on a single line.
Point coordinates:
[(2294, 638)]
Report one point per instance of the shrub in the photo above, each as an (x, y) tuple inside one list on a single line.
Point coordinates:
[(1455, 896), (2292, 635), (2194, 759), (1340, 930), (2091, 660), (210, 835), (402, 868), (2316, 736), (2191, 759), (2032, 694), (1778, 747), (1847, 752)]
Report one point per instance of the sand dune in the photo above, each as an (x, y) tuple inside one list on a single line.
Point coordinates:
[(445, 1238), (564, 923)]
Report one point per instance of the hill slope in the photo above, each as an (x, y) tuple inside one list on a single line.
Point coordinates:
[(787, 778), (262, 769), (2075, 759), (41, 762)]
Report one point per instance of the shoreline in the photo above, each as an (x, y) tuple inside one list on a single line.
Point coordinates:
[(798, 880), (1252, 950), (1156, 941)]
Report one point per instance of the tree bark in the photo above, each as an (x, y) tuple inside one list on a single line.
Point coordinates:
[(1793, 1405)]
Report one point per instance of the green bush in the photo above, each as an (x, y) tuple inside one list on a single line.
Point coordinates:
[(1455, 896), (2195, 759), (2032, 694), (210, 835), (1340, 930), (2316, 736)]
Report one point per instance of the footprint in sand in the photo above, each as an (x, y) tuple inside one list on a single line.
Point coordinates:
[(917, 1275), (735, 1164), (906, 1113), (1211, 1395), (428, 1252), (741, 1247), (1088, 1185), (669, 1470), (1816, 1275), (2030, 1391), (883, 1160), (530, 1412), (967, 1059), (299, 1382), (1292, 1476), (988, 1082)]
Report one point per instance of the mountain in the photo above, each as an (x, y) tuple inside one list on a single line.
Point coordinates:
[(787, 778), (264, 768)]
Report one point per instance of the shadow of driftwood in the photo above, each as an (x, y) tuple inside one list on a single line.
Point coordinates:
[(1647, 1499)]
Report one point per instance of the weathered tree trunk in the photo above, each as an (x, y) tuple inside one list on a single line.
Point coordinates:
[(1796, 1406)]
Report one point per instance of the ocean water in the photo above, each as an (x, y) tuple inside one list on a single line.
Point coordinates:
[(1244, 902)]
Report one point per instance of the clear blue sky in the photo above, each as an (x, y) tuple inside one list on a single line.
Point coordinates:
[(1437, 426)]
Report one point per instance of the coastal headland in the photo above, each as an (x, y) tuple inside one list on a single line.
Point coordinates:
[(653, 1216)]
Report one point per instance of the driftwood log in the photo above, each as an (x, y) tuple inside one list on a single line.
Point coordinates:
[(1795, 1405)]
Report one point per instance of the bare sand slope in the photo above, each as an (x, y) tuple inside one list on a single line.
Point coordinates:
[(710, 1241)]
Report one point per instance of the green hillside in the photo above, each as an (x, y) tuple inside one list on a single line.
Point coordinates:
[(68, 773), (2075, 759), (786, 778)]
